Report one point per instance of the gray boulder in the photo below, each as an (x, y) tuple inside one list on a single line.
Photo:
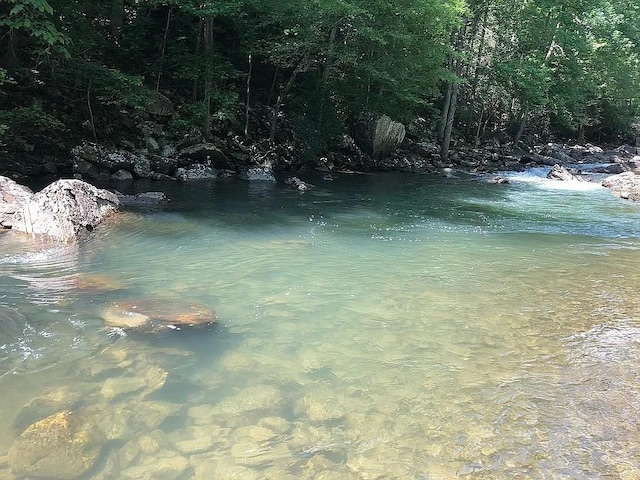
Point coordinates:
[(537, 159), (206, 153), (559, 172), (258, 174), (562, 156), (121, 176), (12, 198), (625, 185), (378, 135), (144, 200), (298, 184), (91, 158), (64, 210), (97, 162), (195, 172), (160, 105)]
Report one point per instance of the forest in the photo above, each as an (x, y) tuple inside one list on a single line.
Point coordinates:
[(271, 70)]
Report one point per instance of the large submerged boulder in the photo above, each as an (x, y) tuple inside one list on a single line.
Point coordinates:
[(64, 210), (155, 314), (12, 324), (61, 446)]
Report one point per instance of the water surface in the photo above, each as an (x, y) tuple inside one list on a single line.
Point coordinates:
[(377, 326)]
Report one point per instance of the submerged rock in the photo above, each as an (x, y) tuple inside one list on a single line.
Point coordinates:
[(12, 324), (154, 314), (42, 406), (165, 465), (61, 446), (95, 282), (147, 380), (64, 210), (498, 180)]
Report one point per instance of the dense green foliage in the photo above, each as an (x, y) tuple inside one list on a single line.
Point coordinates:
[(78, 68)]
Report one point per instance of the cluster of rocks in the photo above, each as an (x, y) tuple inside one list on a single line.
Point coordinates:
[(423, 156), (191, 159), (65, 209), (622, 163), (65, 431), (376, 143)]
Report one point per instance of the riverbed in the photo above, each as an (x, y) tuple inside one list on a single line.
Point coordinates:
[(376, 326)]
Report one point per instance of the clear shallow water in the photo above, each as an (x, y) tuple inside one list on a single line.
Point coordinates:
[(385, 326)]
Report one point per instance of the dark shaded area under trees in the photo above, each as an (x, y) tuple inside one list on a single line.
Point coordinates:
[(302, 72)]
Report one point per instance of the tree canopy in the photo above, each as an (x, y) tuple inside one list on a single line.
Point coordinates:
[(564, 68)]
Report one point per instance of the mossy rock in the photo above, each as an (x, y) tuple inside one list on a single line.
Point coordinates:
[(61, 446)]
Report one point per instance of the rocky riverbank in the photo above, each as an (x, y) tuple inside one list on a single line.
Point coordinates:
[(377, 144)]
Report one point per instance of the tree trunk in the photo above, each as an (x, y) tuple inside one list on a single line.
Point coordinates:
[(278, 105), (476, 140), (446, 138), (282, 95), (581, 128), (164, 44), (196, 79), (117, 19), (273, 85), (208, 86), (476, 73), (451, 101), (246, 111), (523, 124), (445, 111), (329, 60), (93, 124)]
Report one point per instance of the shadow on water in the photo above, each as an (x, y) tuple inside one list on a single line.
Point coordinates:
[(397, 201), (391, 198)]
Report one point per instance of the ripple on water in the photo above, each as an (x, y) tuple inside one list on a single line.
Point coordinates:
[(450, 333)]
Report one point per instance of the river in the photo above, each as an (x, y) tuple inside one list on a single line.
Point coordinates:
[(375, 327)]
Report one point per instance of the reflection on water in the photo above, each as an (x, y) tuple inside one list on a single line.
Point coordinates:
[(375, 327)]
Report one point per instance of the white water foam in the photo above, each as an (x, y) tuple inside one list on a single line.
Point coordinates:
[(538, 176)]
